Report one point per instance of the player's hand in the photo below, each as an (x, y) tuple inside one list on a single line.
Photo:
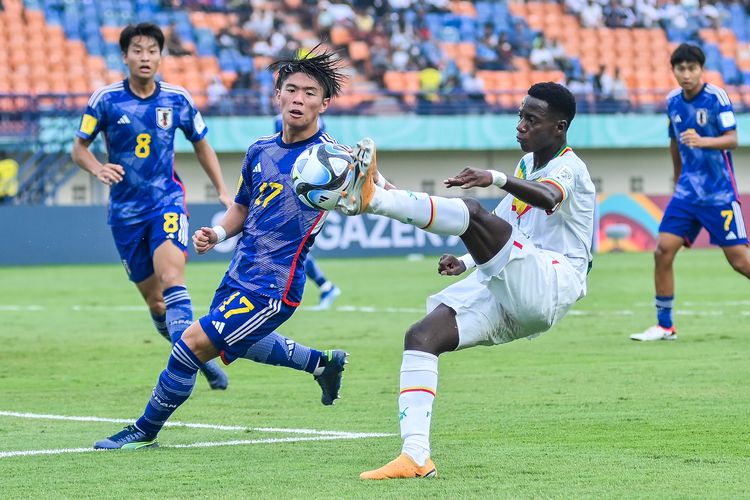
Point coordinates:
[(110, 173), (691, 139), (469, 178), (226, 200), (450, 265), (204, 239)]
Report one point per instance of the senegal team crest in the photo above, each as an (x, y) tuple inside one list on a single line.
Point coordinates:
[(164, 118)]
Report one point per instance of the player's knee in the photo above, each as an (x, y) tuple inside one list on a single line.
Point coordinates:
[(476, 210), (417, 338), (741, 265), (170, 277), (663, 254)]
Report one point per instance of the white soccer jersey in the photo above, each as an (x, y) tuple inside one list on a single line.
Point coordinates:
[(569, 228)]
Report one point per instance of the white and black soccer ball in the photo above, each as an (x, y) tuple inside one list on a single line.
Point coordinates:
[(320, 174)]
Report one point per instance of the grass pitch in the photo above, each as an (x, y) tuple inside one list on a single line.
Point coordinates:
[(579, 412)]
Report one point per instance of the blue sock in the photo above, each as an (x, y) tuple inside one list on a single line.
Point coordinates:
[(160, 322), (274, 349), (664, 310), (179, 311), (313, 271), (175, 384)]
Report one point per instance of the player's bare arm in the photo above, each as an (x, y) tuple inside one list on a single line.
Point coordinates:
[(109, 173), (674, 151), (205, 238), (536, 194), (727, 140), (210, 163)]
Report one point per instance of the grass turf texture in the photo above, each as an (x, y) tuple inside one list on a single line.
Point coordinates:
[(581, 411)]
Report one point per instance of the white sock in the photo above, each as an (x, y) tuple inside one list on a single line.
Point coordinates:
[(419, 376), (432, 213)]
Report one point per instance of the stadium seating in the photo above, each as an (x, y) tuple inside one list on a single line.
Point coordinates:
[(71, 47)]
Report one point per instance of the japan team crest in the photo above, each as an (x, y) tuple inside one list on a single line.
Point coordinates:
[(701, 116), (164, 118)]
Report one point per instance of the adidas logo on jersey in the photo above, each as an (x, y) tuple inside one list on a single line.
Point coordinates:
[(677, 119), (256, 168), (219, 326), (731, 235), (124, 120)]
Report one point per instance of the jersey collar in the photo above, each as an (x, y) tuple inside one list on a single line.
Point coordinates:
[(298, 144), (126, 84)]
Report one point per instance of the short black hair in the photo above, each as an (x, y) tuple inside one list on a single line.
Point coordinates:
[(323, 66), (689, 53), (557, 97), (149, 30)]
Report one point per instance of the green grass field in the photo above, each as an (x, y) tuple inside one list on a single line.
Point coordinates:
[(579, 412)]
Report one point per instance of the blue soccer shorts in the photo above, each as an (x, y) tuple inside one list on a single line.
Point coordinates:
[(136, 243), (239, 318), (724, 223)]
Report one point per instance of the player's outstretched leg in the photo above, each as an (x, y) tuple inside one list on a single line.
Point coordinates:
[(173, 388), (447, 216), (327, 367), (330, 376), (179, 316)]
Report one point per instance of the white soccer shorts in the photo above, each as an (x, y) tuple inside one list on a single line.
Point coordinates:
[(521, 292)]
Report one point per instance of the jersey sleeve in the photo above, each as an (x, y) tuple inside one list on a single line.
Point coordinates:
[(94, 119), (562, 178), (191, 122), (244, 184), (724, 113)]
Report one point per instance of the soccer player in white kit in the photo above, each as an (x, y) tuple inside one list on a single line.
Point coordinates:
[(531, 254)]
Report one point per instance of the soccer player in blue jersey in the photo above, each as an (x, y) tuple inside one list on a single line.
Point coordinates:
[(264, 282), (139, 117), (703, 131), (328, 291)]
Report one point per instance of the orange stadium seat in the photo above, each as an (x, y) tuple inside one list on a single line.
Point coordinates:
[(340, 36)]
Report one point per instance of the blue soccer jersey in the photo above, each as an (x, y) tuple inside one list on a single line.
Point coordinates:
[(139, 134), (279, 230), (707, 176)]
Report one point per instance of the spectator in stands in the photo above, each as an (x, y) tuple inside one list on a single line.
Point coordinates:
[(217, 97), (602, 82), (487, 50), (8, 177), (617, 15), (520, 38), (473, 86), (583, 90), (562, 61), (620, 97), (429, 86), (592, 15), (541, 57), (647, 13), (504, 53), (173, 42)]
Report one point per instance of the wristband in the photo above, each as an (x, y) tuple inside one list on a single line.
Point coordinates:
[(498, 178), (468, 261), (221, 233)]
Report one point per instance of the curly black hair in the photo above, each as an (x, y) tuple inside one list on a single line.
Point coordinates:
[(323, 66)]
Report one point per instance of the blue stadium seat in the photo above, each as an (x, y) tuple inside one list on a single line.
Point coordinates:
[(729, 71)]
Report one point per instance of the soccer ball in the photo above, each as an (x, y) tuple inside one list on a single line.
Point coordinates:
[(320, 174)]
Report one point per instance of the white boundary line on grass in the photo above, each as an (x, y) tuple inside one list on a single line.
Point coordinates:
[(313, 434), (415, 310)]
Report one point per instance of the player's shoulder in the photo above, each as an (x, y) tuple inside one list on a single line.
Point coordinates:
[(674, 95), (717, 93), (103, 93), (569, 159), (261, 143), (176, 91)]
